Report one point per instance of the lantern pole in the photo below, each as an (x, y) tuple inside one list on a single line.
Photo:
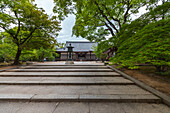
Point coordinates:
[(70, 50)]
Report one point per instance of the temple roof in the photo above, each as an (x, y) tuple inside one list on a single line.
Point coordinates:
[(79, 46)]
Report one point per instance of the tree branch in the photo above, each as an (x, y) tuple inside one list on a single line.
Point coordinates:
[(115, 19), (104, 16), (19, 24), (109, 28), (28, 36), (127, 12), (11, 35), (8, 32)]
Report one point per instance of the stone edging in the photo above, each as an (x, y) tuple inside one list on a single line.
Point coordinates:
[(16, 67), (164, 97)]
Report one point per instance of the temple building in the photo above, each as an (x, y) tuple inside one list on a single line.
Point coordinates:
[(82, 51)]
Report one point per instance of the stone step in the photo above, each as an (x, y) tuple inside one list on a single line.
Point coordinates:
[(36, 75), (59, 74), (66, 79), (72, 89), (65, 67), (60, 70), (65, 83), (140, 98)]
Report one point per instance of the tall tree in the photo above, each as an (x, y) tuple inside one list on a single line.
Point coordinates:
[(146, 40), (93, 16), (21, 19)]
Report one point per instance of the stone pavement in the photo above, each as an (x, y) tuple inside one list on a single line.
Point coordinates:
[(85, 87), (81, 107)]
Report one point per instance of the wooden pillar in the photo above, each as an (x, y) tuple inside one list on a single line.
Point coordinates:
[(73, 55), (90, 55), (76, 56), (67, 55), (59, 56), (85, 57)]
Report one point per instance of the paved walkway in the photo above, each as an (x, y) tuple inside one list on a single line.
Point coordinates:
[(85, 87)]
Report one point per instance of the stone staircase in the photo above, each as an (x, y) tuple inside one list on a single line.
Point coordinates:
[(80, 82)]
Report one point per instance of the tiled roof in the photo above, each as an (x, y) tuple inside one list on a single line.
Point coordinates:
[(79, 46)]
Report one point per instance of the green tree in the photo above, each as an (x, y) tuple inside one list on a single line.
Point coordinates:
[(96, 16), (146, 40), (96, 19), (28, 20), (46, 53), (101, 47), (61, 45), (7, 50)]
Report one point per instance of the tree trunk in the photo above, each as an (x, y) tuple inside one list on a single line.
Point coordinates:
[(158, 68), (16, 61), (163, 14)]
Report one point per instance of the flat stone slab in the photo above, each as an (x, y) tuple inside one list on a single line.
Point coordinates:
[(81, 107), (55, 98), (81, 98), (121, 98), (59, 74), (60, 70), (144, 98), (95, 98), (27, 107), (64, 83), (110, 107), (100, 97), (65, 67), (67, 79), (75, 63), (63, 64), (16, 97), (72, 89)]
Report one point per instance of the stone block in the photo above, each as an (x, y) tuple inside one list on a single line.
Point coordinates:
[(54, 97)]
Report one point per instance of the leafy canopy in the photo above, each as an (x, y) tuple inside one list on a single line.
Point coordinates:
[(146, 40), (96, 17), (26, 24)]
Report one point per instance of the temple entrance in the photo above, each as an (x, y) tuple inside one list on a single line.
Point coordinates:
[(81, 56)]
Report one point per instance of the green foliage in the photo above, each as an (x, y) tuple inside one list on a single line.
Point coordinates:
[(96, 19), (7, 50), (101, 47), (167, 73), (43, 53), (145, 40), (39, 54), (61, 45), (32, 27), (150, 45)]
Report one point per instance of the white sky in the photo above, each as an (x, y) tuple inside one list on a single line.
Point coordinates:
[(68, 23)]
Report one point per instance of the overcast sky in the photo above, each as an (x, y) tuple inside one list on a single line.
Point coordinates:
[(66, 25)]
